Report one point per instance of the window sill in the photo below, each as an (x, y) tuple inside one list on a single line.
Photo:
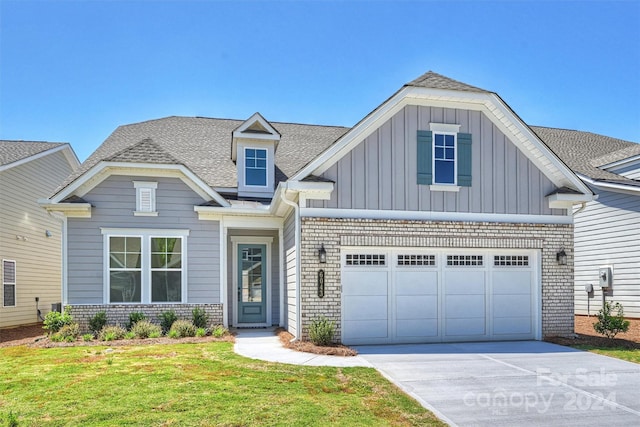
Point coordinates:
[(138, 213), (444, 187)]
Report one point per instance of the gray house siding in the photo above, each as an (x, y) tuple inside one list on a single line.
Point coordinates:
[(38, 257), (607, 233), (380, 173), (290, 272), (631, 172), (114, 201)]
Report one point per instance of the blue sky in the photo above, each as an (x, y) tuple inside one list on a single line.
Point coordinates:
[(73, 71)]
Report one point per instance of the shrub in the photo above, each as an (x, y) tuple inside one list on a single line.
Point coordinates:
[(129, 335), (144, 329), (97, 322), (183, 328), (200, 317), (87, 337), (110, 333), (156, 334), (166, 320), (67, 333), (173, 334), (219, 331), (135, 317), (201, 332), (321, 331), (608, 324), (54, 321)]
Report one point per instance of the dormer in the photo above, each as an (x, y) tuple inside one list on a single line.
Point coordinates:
[(253, 149)]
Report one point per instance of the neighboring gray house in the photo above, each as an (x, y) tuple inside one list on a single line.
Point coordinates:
[(30, 239), (438, 217), (607, 229)]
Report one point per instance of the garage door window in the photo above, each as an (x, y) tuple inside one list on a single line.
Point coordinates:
[(511, 260), (365, 259), (417, 260), (464, 260)]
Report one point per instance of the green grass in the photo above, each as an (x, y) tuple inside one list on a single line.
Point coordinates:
[(630, 355), (194, 385)]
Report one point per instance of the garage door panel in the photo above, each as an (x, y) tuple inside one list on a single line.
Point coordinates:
[(464, 306), (416, 283), (512, 325), (511, 305), (365, 308), (359, 329), (464, 282), (465, 327), (417, 307), (511, 282), (417, 328), (364, 283)]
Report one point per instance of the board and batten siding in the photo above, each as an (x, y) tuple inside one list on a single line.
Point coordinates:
[(114, 201), (381, 172), (23, 224), (290, 263), (607, 233)]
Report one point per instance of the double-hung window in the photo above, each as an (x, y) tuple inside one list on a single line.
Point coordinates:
[(145, 266), (9, 283), (444, 157), (255, 167)]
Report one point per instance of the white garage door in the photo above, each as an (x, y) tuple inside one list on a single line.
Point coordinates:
[(407, 296)]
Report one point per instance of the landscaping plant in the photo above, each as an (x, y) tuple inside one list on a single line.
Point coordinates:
[(219, 331), (182, 329), (166, 320), (69, 333), (321, 331), (135, 317), (111, 333), (144, 329), (54, 320), (200, 317), (97, 322), (608, 324)]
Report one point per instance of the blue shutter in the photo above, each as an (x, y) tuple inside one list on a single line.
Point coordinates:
[(424, 154), (464, 159)]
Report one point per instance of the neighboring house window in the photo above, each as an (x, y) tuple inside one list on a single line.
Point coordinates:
[(444, 157), (255, 167), (145, 266), (9, 282), (145, 198)]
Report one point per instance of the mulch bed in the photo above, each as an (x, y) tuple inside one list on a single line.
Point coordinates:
[(586, 335), (309, 347)]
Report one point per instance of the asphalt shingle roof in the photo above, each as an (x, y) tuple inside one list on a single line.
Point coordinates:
[(13, 151), (437, 81)]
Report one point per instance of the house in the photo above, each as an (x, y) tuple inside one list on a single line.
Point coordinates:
[(440, 216), (30, 239), (607, 229)]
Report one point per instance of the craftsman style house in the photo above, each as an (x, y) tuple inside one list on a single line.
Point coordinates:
[(440, 216)]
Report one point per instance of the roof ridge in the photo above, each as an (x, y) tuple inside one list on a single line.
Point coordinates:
[(433, 80)]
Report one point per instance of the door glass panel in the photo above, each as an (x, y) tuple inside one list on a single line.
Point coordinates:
[(251, 281)]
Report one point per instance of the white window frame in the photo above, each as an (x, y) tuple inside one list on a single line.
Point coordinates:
[(14, 283), (141, 188), (145, 277), (152, 269), (266, 169), (444, 129)]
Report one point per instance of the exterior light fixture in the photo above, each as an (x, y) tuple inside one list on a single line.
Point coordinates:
[(48, 233), (322, 255), (561, 257)]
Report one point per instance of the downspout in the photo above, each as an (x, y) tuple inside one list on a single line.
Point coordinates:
[(296, 210), (580, 209)]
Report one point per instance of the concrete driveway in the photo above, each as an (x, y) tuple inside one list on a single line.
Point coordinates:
[(524, 383)]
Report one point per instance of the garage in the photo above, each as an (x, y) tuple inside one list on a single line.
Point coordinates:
[(404, 295)]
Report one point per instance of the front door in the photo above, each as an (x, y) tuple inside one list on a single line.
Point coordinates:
[(252, 283)]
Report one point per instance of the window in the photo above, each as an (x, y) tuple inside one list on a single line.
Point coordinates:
[(464, 260), (145, 266), (511, 260), (417, 260), (9, 282), (444, 158), (145, 198), (255, 166), (365, 259)]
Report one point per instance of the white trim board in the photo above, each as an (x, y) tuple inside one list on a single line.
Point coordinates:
[(69, 154)]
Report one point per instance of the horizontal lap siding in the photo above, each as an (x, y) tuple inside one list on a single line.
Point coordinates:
[(38, 258), (114, 201), (607, 232), (380, 173)]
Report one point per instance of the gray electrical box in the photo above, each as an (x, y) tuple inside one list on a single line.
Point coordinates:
[(606, 277), (588, 287)]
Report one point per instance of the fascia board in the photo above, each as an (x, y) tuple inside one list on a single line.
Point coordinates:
[(618, 188), (66, 149), (566, 201), (103, 170)]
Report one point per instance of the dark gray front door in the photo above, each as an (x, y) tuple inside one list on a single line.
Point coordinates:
[(252, 283)]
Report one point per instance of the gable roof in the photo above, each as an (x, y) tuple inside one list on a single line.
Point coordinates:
[(202, 145), (584, 152), (437, 81), (13, 151)]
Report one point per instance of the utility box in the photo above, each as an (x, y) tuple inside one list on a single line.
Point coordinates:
[(605, 276)]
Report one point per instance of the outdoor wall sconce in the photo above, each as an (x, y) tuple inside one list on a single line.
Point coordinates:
[(561, 257), (322, 255)]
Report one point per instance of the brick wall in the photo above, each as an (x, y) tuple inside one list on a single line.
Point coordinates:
[(557, 280), (119, 314)]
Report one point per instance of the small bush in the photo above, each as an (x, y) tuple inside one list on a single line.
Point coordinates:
[(111, 333), (166, 320), (97, 322), (68, 333), (608, 324), (54, 321), (200, 317), (87, 337), (201, 332), (173, 334), (135, 317), (219, 331), (183, 328), (144, 329), (129, 335), (321, 331), (156, 334)]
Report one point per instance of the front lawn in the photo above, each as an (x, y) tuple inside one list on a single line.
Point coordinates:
[(631, 355), (191, 384)]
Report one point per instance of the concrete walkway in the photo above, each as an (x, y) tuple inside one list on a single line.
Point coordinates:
[(263, 344)]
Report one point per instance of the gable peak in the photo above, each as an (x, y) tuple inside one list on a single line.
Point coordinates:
[(433, 80)]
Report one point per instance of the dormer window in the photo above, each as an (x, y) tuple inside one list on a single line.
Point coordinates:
[(145, 198), (255, 167)]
